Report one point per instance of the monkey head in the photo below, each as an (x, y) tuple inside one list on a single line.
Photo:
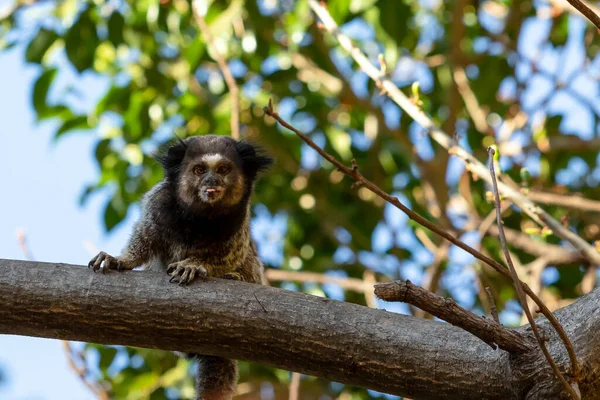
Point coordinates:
[(213, 173)]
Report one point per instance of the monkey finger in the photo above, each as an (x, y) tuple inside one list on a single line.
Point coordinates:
[(202, 273), (192, 275), (171, 267), (92, 261), (184, 277), (99, 259)]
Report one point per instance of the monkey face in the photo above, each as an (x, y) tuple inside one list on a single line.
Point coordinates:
[(214, 178), (213, 172)]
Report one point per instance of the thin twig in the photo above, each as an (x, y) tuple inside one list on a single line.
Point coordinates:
[(362, 181), (493, 309), (586, 11), (478, 116), (519, 288), (433, 275), (295, 386), (448, 310), (229, 79), (100, 393), (446, 141)]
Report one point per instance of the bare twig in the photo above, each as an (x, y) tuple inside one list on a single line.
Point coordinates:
[(100, 393), (586, 11), (295, 386), (448, 310), (448, 142), (493, 309), (361, 180), (434, 273), (478, 116), (229, 79), (521, 293)]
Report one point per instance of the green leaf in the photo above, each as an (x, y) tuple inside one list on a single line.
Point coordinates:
[(112, 215), (102, 150), (81, 42), (116, 25), (39, 45), (339, 9), (393, 15), (40, 91), (61, 111), (144, 381), (107, 355), (78, 122)]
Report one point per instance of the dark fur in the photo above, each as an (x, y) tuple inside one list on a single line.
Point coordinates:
[(192, 237)]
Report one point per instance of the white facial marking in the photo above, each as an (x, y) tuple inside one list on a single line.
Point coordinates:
[(212, 159)]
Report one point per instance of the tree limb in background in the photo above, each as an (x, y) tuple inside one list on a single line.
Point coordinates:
[(354, 284), (229, 79), (446, 141), (362, 181), (567, 201), (521, 294), (448, 310), (472, 105), (294, 386), (344, 342)]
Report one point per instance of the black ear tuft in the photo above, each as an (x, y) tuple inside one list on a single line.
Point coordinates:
[(254, 159), (170, 157)]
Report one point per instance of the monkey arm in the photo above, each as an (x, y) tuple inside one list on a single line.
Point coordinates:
[(138, 251)]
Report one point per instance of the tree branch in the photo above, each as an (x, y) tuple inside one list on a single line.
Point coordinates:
[(448, 310), (229, 79), (446, 141), (339, 341), (586, 11)]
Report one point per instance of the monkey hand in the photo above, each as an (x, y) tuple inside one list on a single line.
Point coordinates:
[(104, 261), (186, 271), (234, 276)]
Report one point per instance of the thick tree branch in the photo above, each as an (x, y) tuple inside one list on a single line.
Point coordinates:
[(448, 310), (343, 342), (446, 141)]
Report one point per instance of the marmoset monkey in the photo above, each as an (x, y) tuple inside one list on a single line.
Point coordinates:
[(196, 223)]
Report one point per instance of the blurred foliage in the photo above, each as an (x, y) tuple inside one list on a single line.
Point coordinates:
[(158, 79)]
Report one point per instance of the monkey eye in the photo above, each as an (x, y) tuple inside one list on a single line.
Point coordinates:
[(222, 170), (199, 170)]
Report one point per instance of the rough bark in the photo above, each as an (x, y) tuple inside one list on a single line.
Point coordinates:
[(343, 342)]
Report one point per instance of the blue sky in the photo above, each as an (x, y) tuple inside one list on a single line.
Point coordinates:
[(41, 183)]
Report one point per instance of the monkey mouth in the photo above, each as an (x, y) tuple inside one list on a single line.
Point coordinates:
[(213, 192)]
